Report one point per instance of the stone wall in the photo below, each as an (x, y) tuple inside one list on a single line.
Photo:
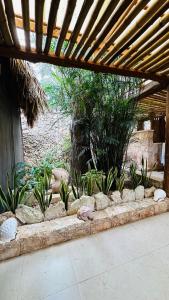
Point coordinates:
[(141, 143), (47, 135)]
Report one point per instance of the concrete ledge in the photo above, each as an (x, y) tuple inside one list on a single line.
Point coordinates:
[(41, 235)]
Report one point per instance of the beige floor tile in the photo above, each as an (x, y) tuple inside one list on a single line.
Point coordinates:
[(71, 293)]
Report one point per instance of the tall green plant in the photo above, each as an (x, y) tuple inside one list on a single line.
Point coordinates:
[(64, 193), (14, 196), (103, 116), (105, 184), (135, 178), (145, 178)]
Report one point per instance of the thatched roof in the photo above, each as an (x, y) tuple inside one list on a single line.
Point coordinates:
[(24, 88)]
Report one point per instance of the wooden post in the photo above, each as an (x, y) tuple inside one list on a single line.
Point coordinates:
[(166, 168), (11, 148), (140, 125)]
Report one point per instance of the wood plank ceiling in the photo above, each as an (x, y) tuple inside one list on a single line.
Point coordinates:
[(125, 37)]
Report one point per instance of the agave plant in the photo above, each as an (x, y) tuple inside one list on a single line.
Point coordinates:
[(106, 181), (14, 196), (135, 178), (120, 182), (40, 193), (64, 193), (145, 179)]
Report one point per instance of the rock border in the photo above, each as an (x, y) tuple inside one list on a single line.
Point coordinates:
[(41, 235)]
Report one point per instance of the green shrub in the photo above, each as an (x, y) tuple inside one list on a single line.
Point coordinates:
[(14, 196), (145, 179), (120, 182), (106, 181), (41, 193)]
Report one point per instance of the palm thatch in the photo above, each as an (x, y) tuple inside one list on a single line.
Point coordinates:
[(24, 88)]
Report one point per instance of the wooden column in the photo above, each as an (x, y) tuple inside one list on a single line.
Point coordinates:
[(166, 168), (11, 148)]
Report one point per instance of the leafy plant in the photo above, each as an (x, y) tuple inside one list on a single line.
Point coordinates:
[(89, 180), (77, 184), (14, 195), (42, 197), (120, 182), (106, 181), (135, 178), (64, 193), (145, 179)]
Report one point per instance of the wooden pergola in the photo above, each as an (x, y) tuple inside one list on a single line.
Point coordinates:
[(124, 37)]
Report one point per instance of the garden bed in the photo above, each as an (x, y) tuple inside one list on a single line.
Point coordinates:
[(41, 235)]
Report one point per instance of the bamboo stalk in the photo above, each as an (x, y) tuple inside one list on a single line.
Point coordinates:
[(51, 23), (135, 31), (11, 21), (4, 26), (145, 41), (155, 57), (98, 27), (67, 19), (39, 6), (82, 15), (126, 21), (26, 23), (116, 15)]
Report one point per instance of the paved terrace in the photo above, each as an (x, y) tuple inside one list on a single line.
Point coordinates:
[(127, 262)]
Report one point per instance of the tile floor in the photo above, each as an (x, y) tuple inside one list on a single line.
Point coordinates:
[(128, 262)]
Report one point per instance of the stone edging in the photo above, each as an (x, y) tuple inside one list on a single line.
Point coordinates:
[(41, 235)]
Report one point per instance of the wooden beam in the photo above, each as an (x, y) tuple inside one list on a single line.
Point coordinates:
[(26, 23), (82, 15), (67, 19), (11, 21), (4, 26), (39, 6), (51, 23), (166, 167), (151, 88), (62, 61), (160, 63)]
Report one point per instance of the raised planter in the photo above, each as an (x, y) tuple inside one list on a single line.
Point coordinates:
[(41, 235)]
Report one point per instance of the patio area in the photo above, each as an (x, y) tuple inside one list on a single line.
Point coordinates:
[(127, 262)]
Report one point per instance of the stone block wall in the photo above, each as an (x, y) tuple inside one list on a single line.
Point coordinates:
[(141, 143)]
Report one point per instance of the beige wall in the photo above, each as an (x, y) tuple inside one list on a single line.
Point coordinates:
[(141, 143)]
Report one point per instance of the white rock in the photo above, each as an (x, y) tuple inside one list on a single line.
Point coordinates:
[(85, 213), (128, 195), (87, 201), (139, 192), (116, 197), (159, 195), (29, 215), (6, 215), (8, 230), (102, 201), (149, 192), (75, 205), (71, 197), (55, 211)]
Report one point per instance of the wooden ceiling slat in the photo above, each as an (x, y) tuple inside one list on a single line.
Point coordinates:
[(99, 26), (67, 19), (39, 6), (160, 66), (151, 15), (82, 15), (4, 26), (147, 40), (156, 41), (165, 72), (26, 23), (116, 15), (155, 57), (88, 27), (126, 21), (51, 23), (11, 21)]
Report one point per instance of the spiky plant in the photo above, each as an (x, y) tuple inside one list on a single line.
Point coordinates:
[(13, 196), (64, 193)]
